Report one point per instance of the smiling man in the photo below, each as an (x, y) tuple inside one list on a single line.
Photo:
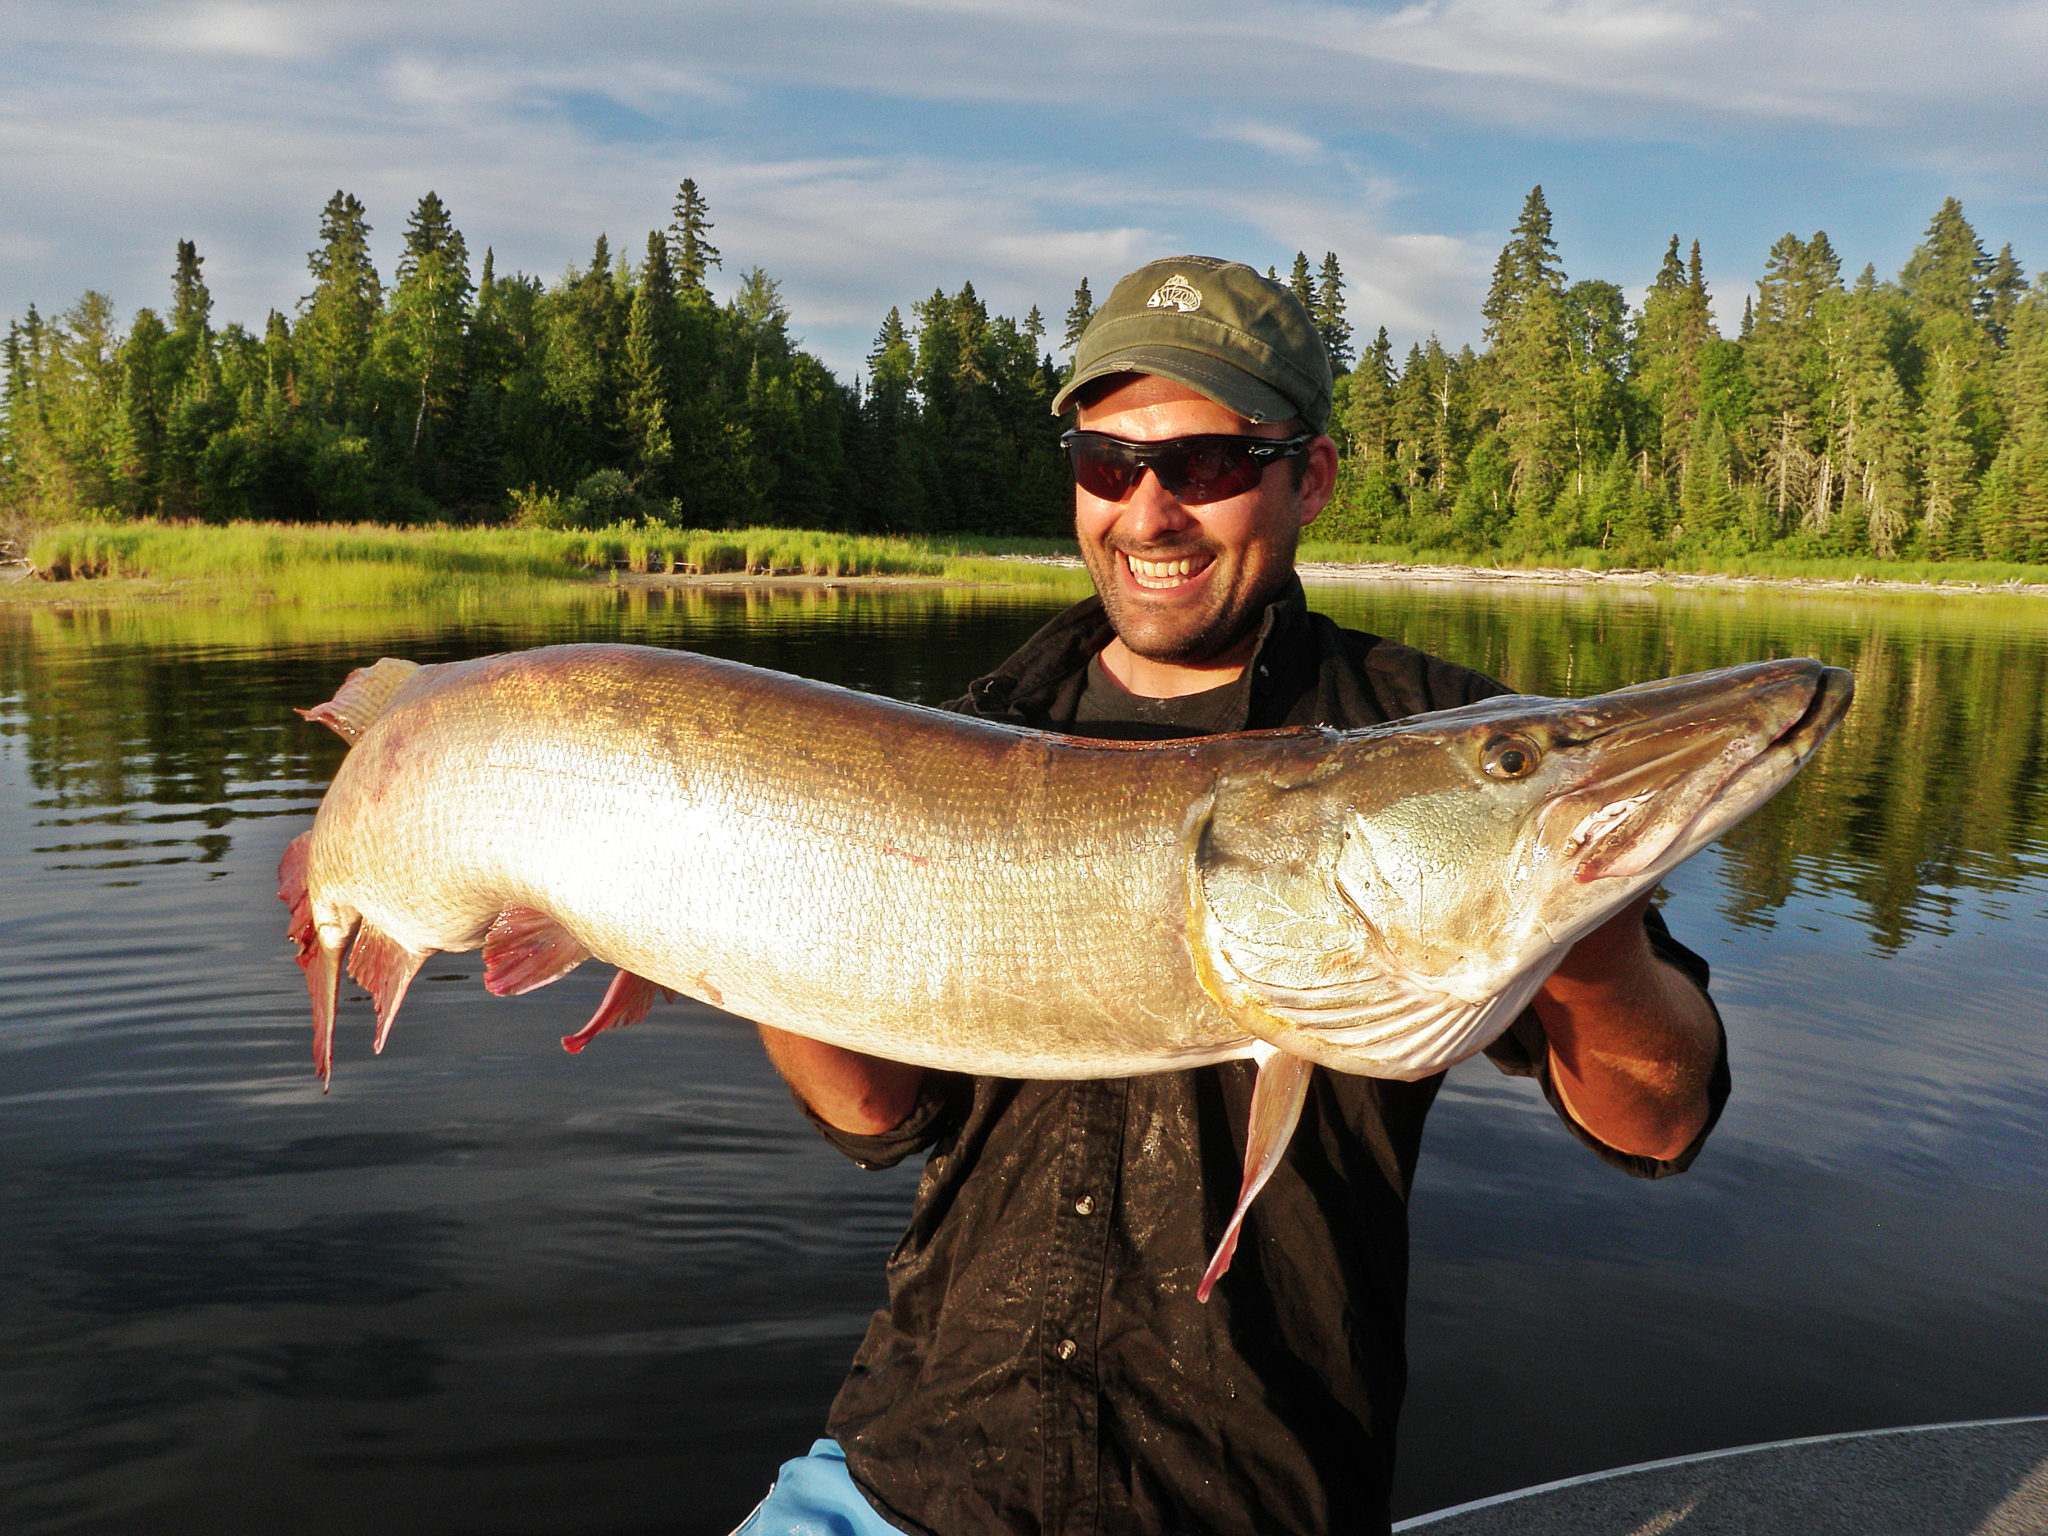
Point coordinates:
[(1044, 1363)]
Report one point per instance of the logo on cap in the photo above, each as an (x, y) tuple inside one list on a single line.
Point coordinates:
[(1176, 293)]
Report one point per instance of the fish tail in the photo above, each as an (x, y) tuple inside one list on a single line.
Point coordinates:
[(386, 968), (1277, 1097), (626, 1001), (361, 698)]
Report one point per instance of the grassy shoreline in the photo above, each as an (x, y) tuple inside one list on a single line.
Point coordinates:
[(359, 564)]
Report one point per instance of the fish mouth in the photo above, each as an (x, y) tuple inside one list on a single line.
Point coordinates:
[(1743, 742)]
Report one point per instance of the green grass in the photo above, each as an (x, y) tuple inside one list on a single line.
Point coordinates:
[(1981, 573), (357, 564), (366, 565)]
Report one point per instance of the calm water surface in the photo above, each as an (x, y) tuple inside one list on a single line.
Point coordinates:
[(485, 1287)]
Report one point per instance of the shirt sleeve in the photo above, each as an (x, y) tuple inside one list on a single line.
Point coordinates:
[(1524, 1051), (942, 1099)]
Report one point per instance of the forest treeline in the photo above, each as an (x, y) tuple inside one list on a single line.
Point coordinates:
[(1903, 417)]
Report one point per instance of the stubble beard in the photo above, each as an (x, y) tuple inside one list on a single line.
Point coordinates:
[(1196, 637)]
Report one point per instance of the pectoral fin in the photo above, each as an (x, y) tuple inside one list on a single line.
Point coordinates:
[(1277, 1097)]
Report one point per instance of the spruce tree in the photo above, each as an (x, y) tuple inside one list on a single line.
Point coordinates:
[(691, 253), (1079, 313), (1327, 310), (1302, 285), (651, 371), (1948, 271), (1530, 361), (423, 337), (338, 319)]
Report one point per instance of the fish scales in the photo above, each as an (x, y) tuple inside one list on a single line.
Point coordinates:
[(897, 880)]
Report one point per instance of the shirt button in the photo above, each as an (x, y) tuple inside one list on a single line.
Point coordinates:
[(1068, 1349), (1084, 1206)]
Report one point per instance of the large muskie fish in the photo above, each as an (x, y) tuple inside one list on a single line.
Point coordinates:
[(989, 899)]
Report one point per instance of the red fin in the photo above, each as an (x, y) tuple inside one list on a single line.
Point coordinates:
[(524, 949), (626, 1001), (291, 890), (323, 985), (361, 698), (387, 968), (1277, 1098), (321, 964)]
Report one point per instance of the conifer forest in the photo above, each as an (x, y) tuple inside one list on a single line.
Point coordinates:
[(1860, 416)]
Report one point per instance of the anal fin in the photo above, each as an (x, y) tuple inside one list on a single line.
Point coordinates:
[(386, 967), (1277, 1097), (626, 1001), (525, 949)]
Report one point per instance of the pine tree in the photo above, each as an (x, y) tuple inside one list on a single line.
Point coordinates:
[(2006, 286), (1327, 310), (1079, 313), (191, 304), (1527, 266), (651, 371), (1948, 271), (1301, 283), (691, 253), (1596, 341), (422, 341), (1671, 336), (1369, 407), (339, 317), (1530, 361)]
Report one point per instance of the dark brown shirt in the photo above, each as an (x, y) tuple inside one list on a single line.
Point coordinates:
[(1043, 1365)]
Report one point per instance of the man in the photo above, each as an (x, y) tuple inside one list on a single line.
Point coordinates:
[(1043, 1364)]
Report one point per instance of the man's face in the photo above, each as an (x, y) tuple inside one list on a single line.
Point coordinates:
[(1184, 584)]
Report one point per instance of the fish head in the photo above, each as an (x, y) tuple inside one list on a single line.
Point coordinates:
[(1399, 902)]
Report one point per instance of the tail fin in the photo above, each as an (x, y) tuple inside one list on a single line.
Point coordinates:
[(361, 698)]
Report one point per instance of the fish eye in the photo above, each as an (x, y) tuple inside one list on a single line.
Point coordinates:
[(1509, 757)]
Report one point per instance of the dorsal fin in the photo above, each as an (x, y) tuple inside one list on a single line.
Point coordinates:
[(361, 698)]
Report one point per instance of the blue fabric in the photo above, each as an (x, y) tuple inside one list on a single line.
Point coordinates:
[(814, 1496)]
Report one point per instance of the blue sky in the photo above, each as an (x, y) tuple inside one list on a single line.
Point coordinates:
[(864, 154)]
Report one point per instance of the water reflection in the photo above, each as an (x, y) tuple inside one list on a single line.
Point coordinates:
[(482, 1286), (147, 733)]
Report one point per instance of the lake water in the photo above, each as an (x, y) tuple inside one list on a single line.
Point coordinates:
[(482, 1286)]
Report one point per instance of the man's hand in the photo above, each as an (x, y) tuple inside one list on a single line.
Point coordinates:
[(1632, 1040), (847, 1090)]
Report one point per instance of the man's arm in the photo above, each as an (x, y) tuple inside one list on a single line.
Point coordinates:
[(1632, 1040), (864, 1095)]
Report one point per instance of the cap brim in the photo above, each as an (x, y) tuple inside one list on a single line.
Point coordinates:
[(1225, 383)]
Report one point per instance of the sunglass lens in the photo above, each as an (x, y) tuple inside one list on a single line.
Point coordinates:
[(1210, 471), (1103, 468)]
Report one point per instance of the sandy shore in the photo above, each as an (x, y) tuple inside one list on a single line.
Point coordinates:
[(1369, 571)]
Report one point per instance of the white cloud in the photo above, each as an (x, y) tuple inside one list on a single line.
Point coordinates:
[(236, 29), (867, 153), (1276, 139)]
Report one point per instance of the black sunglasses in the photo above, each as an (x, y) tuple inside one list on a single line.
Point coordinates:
[(1192, 470)]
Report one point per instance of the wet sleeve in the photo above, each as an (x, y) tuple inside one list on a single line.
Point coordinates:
[(1524, 1051), (941, 1102)]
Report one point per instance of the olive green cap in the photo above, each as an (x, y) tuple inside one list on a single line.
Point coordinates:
[(1218, 327)]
